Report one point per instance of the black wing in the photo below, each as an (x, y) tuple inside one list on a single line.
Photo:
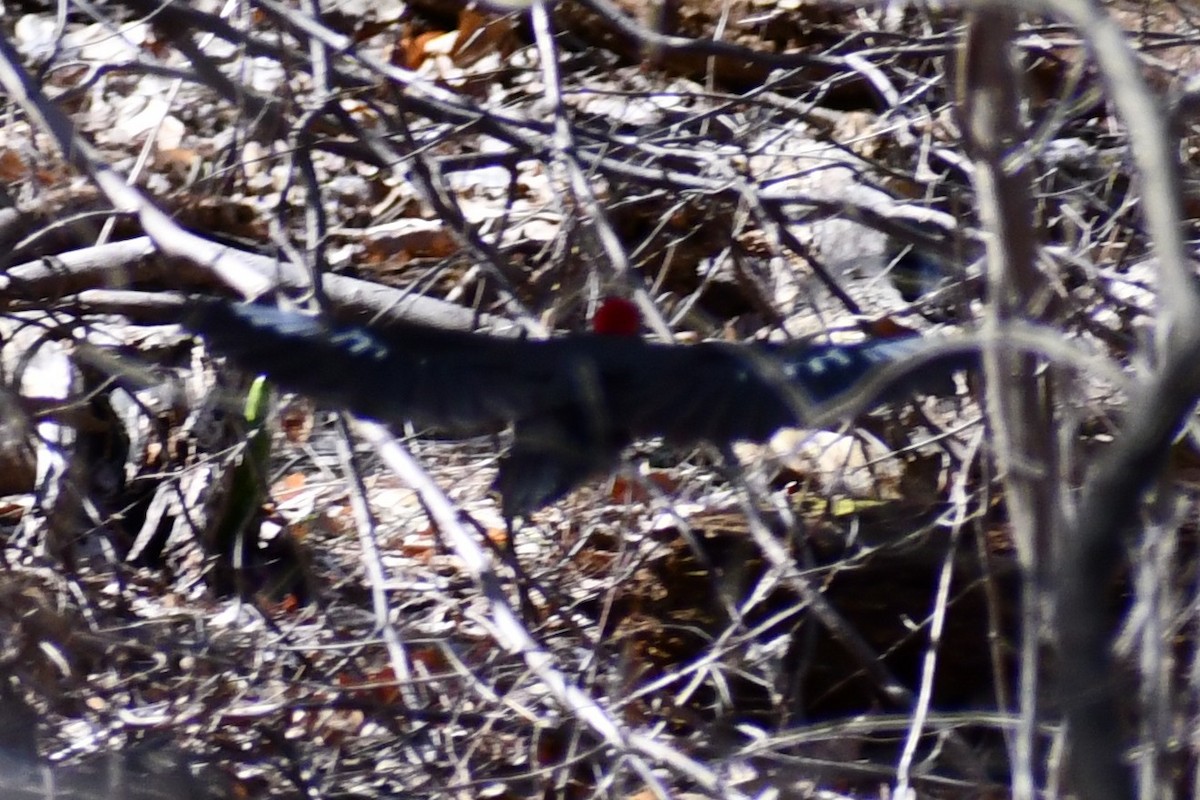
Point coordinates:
[(458, 382), (722, 393)]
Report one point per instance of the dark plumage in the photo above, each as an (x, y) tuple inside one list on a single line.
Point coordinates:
[(575, 401)]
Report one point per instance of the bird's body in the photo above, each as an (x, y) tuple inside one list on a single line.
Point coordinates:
[(575, 401)]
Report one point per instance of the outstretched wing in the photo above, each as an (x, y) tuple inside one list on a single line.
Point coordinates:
[(457, 382), (720, 392)]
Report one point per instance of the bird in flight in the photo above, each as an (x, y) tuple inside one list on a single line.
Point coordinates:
[(574, 401)]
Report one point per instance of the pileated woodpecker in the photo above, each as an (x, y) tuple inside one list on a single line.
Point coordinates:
[(574, 401)]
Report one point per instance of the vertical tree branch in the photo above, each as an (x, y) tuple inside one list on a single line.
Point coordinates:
[(989, 91), (1090, 549)]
